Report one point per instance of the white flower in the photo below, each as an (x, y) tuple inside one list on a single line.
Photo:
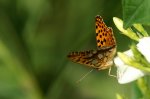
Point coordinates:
[(125, 73), (144, 47)]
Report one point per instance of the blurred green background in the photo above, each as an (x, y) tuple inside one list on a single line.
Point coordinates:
[(35, 38)]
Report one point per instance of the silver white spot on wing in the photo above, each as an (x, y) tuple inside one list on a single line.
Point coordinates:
[(95, 61), (100, 56)]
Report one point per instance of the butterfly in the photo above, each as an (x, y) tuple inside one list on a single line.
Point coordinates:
[(102, 58)]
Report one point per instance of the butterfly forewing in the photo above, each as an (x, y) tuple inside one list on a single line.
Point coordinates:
[(104, 34)]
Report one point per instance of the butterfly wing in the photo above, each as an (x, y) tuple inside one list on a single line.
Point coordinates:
[(106, 44), (84, 57), (100, 59), (104, 34)]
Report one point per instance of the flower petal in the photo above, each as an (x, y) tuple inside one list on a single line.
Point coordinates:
[(144, 47), (128, 32), (125, 73)]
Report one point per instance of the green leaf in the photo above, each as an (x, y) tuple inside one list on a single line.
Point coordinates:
[(143, 86), (140, 28), (136, 11)]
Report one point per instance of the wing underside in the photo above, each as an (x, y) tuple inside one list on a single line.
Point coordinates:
[(93, 58)]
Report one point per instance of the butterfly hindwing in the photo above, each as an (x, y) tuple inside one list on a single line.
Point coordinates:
[(84, 57), (93, 58)]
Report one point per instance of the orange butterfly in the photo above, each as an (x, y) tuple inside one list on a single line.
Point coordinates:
[(106, 48)]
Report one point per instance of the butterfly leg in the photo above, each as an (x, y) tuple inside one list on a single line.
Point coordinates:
[(109, 73)]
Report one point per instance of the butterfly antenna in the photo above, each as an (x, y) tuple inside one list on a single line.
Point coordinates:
[(84, 76)]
